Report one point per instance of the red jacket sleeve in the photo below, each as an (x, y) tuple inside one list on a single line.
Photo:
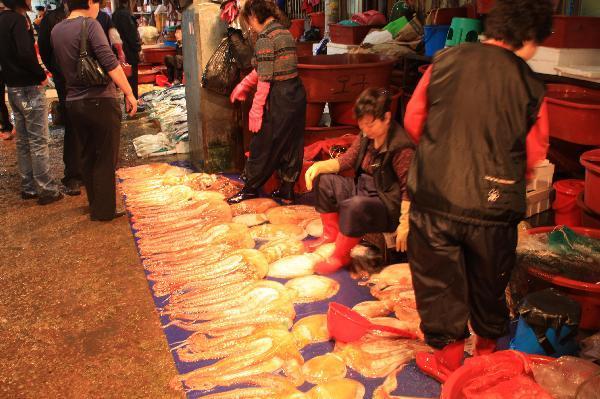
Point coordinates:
[(416, 110), (537, 141)]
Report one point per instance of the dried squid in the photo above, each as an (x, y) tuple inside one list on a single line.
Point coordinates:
[(314, 228), (324, 368), (325, 250), (384, 391), (375, 357), (221, 349), (292, 214), (372, 309), (254, 205), (265, 386), (263, 355), (294, 266), (268, 232), (312, 288), (311, 330), (250, 219), (277, 249), (338, 389)]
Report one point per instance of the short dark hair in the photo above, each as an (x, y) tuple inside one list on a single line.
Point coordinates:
[(40, 8), (263, 10), (16, 5), (374, 102), (516, 21), (79, 4)]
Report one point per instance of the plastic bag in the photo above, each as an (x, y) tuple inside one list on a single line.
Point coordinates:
[(563, 377), (240, 49), (590, 347), (222, 72)]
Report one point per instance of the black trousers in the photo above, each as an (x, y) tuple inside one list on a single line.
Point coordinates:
[(4, 115), (174, 64), (133, 79), (460, 272), (97, 123), (360, 209), (279, 145), (71, 146)]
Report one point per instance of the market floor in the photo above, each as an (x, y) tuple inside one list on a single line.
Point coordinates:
[(76, 317)]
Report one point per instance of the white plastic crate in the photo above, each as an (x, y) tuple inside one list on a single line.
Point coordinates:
[(538, 202), (546, 59), (543, 174)]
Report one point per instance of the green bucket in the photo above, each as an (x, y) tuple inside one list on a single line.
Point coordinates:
[(463, 30)]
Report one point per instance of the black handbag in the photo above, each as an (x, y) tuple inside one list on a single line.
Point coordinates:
[(89, 70)]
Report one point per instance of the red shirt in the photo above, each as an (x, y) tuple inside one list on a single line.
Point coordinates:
[(416, 115)]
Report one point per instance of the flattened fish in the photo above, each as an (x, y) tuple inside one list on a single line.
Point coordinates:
[(268, 232), (321, 369), (338, 389), (251, 219), (254, 205), (277, 249), (311, 330), (294, 266), (292, 214), (393, 275), (312, 288)]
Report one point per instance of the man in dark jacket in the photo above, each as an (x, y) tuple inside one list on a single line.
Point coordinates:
[(25, 79), (480, 121), (132, 44), (72, 179)]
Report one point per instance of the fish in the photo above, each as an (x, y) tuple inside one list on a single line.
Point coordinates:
[(268, 232), (322, 369), (314, 228), (250, 219), (294, 266), (277, 249), (297, 215), (311, 330), (338, 389), (372, 309), (393, 275), (149, 170), (254, 205), (309, 289)]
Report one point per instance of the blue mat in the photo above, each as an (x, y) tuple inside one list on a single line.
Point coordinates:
[(411, 382)]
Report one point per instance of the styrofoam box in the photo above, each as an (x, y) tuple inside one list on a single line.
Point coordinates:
[(336, 48), (538, 202), (547, 58), (543, 174)]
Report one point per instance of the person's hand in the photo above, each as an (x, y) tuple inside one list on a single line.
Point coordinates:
[(402, 237), (312, 172), (255, 119), (131, 104), (239, 93)]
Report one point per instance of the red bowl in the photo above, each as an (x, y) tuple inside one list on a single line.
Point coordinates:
[(343, 113)]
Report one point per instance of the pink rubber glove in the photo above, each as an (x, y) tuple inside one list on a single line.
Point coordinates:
[(258, 105), (240, 93)]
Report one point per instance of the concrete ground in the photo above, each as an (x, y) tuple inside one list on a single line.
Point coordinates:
[(76, 316)]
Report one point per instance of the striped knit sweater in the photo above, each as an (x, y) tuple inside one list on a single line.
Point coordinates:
[(275, 54)]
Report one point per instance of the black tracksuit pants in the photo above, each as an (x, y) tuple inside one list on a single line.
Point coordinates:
[(279, 145), (460, 272), (71, 146), (4, 116), (97, 123), (360, 209)]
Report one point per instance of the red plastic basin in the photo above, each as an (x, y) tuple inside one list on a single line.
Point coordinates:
[(574, 32), (314, 111), (587, 294), (314, 134), (574, 113), (343, 113), (156, 55), (342, 77), (589, 218), (591, 162)]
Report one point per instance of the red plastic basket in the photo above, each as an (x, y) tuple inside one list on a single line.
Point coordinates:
[(587, 294), (343, 34)]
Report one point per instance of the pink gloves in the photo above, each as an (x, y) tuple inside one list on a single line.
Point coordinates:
[(240, 93), (258, 105)]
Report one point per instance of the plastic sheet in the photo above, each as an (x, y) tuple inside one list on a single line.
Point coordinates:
[(590, 348), (563, 377)]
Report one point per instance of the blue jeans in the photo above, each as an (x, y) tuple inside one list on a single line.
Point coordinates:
[(31, 122)]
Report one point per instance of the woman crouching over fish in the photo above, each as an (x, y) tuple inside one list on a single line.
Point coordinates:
[(373, 201), (279, 107)]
